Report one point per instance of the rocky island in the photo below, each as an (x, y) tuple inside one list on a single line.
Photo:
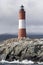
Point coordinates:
[(20, 49)]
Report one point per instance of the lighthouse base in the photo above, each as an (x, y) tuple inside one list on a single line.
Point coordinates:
[(22, 33)]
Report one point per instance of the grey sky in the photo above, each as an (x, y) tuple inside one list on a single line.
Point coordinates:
[(9, 15)]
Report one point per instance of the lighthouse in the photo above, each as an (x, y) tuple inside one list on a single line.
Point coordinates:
[(22, 23)]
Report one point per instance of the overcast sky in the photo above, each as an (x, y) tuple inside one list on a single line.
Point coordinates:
[(9, 15)]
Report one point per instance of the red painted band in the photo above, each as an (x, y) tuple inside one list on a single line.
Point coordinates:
[(21, 14), (22, 33)]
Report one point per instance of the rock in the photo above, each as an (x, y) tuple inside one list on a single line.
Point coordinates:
[(31, 49), (41, 59)]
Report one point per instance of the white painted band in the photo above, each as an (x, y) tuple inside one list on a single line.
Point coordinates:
[(22, 24)]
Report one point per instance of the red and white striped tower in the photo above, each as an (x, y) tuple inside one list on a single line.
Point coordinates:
[(22, 23)]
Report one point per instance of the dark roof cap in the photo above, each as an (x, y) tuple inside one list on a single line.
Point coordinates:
[(22, 7)]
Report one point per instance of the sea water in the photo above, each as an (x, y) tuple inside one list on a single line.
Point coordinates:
[(24, 62)]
